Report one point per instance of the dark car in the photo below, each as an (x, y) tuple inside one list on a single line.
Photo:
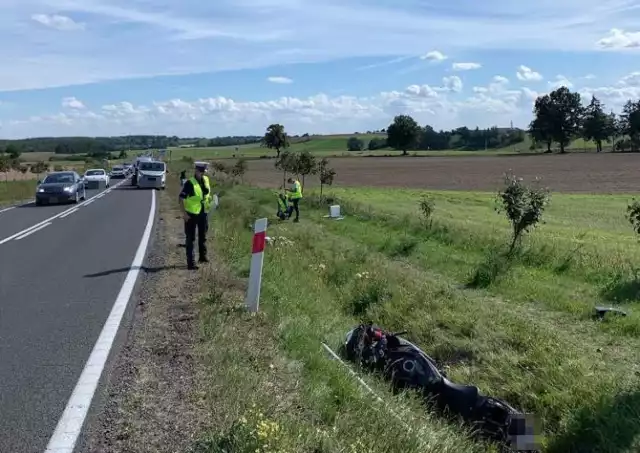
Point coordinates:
[(60, 187)]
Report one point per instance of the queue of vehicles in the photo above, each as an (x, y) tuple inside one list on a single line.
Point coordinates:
[(70, 187)]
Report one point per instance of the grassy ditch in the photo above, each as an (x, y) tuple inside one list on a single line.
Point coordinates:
[(522, 334)]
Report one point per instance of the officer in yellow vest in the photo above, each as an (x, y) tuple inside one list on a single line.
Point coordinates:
[(192, 204), (295, 195)]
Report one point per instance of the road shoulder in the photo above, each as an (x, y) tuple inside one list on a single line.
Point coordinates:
[(152, 400)]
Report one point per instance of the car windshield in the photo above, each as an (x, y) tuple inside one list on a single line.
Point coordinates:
[(152, 166), (117, 168), (59, 178), (94, 173)]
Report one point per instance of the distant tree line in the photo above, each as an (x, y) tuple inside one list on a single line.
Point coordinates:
[(104, 145), (406, 134), (561, 117)]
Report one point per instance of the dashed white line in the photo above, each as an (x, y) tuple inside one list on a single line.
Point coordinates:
[(69, 426), (7, 209), (33, 230), (68, 213)]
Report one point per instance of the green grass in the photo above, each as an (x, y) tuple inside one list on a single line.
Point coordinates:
[(13, 191), (523, 332)]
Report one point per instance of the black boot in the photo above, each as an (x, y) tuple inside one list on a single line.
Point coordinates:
[(192, 267), (203, 260)]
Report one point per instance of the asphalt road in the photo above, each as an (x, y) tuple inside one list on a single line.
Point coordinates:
[(58, 283)]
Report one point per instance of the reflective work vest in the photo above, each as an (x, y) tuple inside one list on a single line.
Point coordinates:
[(193, 204), (297, 191), (208, 199)]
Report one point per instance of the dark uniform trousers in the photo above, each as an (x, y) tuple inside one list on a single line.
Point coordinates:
[(196, 222)]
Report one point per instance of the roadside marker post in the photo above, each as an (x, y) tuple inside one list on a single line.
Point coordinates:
[(252, 300)]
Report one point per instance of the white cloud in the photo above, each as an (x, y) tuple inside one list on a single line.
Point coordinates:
[(525, 73), (632, 80), (465, 66), (279, 79), (444, 106), (435, 56), (560, 81), (589, 77), (453, 83), (72, 103), (58, 22), (620, 39)]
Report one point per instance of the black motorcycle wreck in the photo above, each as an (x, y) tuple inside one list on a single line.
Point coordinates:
[(407, 367)]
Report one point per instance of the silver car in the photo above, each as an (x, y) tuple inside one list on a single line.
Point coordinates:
[(61, 187)]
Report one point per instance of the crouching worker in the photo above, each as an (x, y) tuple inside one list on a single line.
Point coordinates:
[(284, 212), (295, 195), (192, 204)]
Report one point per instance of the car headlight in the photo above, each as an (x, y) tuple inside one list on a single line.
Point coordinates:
[(68, 189), (40, 190)]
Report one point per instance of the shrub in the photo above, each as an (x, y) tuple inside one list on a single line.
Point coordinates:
[(427, 206), (355, 144), (523, 205), (633, 215)]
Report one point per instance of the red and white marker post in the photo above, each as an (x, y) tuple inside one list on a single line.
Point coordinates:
[(252, 300)]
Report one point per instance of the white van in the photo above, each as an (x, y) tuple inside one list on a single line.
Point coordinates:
[(152, 174)]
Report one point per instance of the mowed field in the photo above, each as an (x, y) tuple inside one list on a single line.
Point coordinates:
[(576, 172)]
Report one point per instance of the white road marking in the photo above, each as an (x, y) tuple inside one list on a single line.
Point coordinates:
[(69, 426), (90, 201), (68, 213), (7, 209), (20, 233), (33, 230)]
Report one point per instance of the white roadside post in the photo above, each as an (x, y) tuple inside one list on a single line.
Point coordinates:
[(255, 272)]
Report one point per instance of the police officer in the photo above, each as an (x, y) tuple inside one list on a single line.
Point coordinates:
[(192, 204), (295, 195)]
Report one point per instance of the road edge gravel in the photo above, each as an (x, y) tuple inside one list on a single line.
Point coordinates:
[(150, 397)]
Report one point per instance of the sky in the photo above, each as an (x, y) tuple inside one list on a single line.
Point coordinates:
[(232, 67)]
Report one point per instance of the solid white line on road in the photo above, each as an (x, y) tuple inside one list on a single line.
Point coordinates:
[(7, 209), (90, 201), (70, 424), (20, 233), (68, 213), (30, 232)]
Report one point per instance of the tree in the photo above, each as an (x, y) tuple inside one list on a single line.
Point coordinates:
[(306, 165), (275, 138), (564, 116), (630, 123), (403, 133), (286, 164), (326, 173), (355, 144), (597, 125), (541, 128), (377, 143), (13, 151), (523, 206), (122, 154)]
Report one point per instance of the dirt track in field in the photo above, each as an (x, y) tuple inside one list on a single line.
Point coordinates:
[(592, 173)]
